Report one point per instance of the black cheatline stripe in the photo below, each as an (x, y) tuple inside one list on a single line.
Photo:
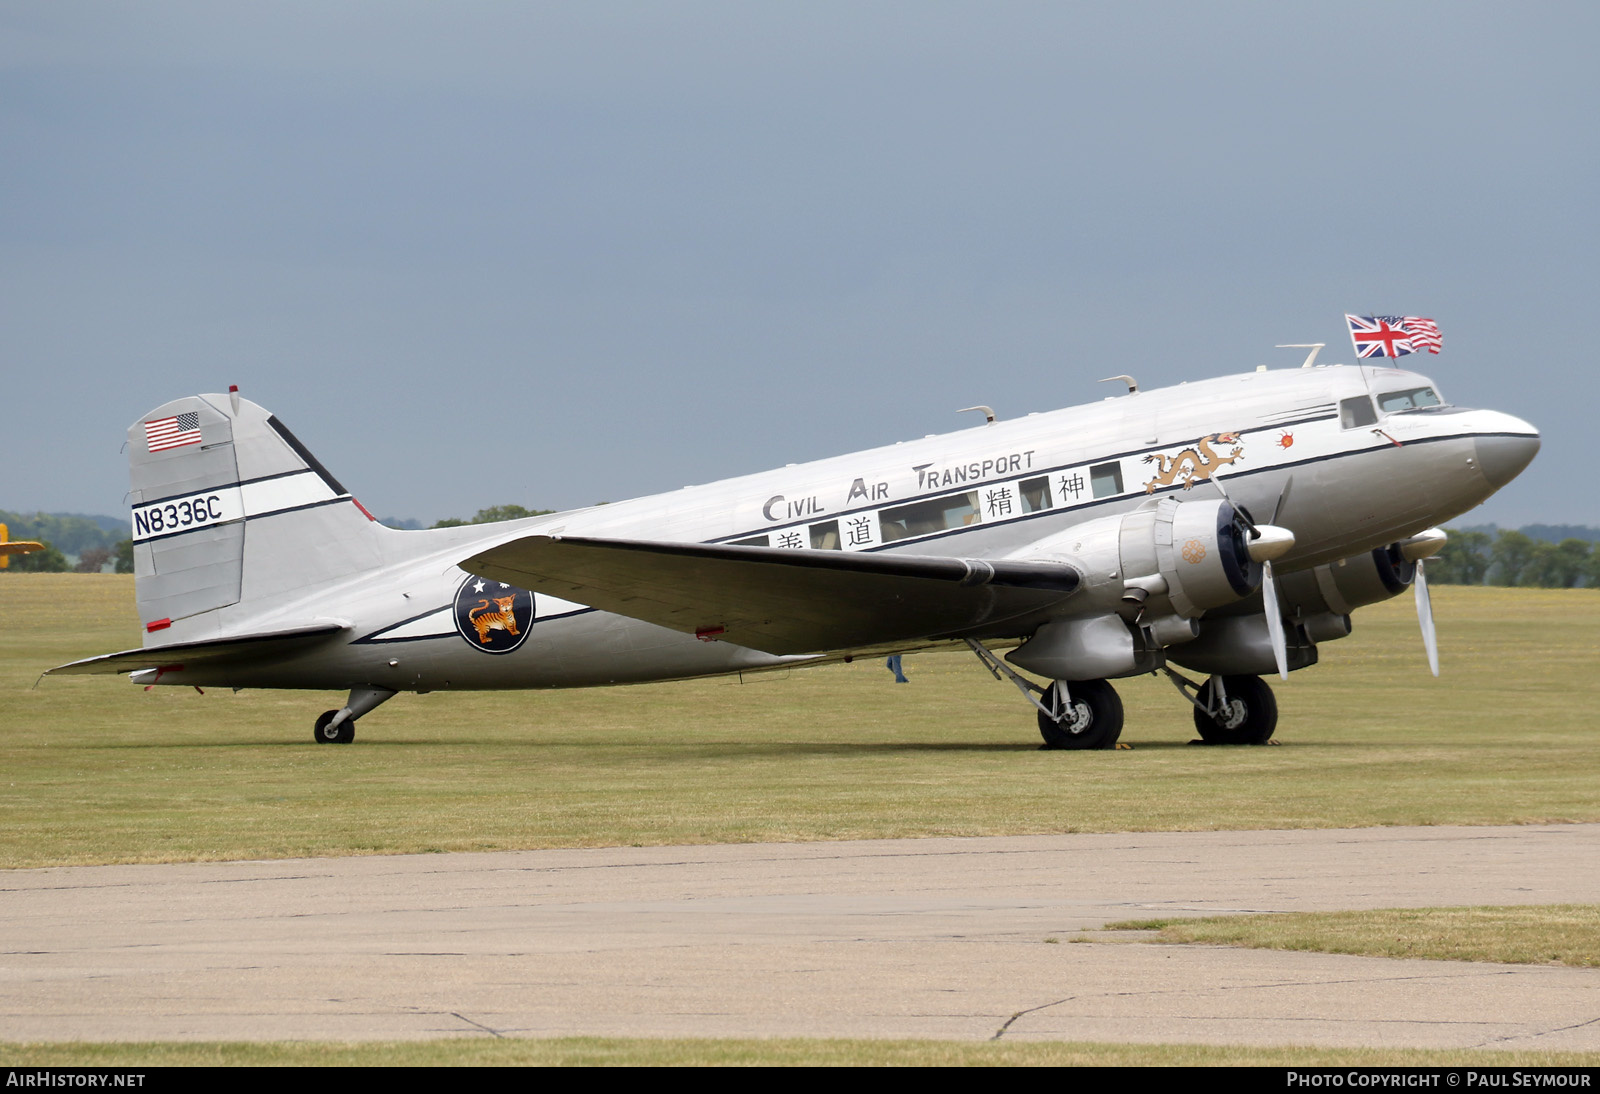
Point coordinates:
[(376, 637), (242, 520)]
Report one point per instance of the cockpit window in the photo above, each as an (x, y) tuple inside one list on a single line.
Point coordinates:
[(1355, 412), (1412, 398)]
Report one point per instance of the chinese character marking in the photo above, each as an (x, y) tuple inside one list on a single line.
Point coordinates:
[(858, 531), (999, 501), (1073, 486), (788, 539)]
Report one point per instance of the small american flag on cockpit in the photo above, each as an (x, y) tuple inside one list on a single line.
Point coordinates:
[(174, 432)]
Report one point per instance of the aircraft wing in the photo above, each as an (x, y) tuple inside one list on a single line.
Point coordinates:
[(776, 600), (216, 651)]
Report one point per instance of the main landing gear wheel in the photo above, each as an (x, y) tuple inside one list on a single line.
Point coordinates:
[(1092, 718), (1247, 718), (327, 733)]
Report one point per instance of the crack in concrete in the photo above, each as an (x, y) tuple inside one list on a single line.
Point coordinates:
[(1001, 1032), (487, 1029), (1537, 1036)]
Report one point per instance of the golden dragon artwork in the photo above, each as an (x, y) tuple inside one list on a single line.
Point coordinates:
[(1193, 465)]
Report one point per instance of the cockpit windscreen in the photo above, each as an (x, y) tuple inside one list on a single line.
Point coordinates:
[(1412, 398)]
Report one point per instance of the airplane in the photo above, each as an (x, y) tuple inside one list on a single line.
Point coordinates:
[(1228, 527)]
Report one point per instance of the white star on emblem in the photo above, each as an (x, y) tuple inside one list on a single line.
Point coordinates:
[(478, 588)]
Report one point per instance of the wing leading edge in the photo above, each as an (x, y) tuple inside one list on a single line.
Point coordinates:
[(779, 601)]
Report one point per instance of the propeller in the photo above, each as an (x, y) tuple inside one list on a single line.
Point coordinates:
[(1419, 548), (1266, 542), (1430, 636), (1270, 542)]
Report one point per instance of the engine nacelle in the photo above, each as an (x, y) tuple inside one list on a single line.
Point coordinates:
[(1342, 587), (1241, 645), (1167, 556), (1317, 603), (1099, 647)]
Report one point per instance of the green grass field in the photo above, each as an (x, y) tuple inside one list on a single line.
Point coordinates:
[(1540, 934), (98, 770)]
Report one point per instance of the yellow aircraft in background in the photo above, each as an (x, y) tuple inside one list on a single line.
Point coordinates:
[(19, 547)]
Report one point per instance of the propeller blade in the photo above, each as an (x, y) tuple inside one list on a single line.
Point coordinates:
[(1430, 636), (1269, 601), (1282, 497)]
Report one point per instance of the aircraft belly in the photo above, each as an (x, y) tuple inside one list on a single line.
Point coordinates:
[(583, 650)]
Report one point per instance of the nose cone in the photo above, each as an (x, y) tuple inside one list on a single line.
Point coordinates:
[(1503, 455)]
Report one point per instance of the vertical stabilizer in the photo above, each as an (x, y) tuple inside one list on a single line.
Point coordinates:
[(232, 515)]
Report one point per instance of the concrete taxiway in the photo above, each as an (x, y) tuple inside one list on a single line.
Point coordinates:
[(944, 938)]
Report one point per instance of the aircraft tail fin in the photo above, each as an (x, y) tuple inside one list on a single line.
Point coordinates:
[(230, 509)]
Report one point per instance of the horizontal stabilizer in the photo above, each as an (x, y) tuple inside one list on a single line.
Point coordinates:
[(244, 647), (776, 600)]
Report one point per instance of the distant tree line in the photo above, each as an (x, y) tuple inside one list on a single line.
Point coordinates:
[(1511, 557), (492, 514)]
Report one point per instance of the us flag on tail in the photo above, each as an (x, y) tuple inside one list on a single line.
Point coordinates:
[(174, 432), (1393, 335)]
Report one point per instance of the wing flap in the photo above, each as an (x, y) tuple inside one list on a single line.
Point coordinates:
[(243, 647), (779, 601)]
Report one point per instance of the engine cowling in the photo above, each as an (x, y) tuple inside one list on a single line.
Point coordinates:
[(1182, 557), (1342, 587)]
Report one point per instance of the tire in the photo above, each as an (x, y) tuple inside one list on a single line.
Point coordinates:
[(1095, 719), (1250, 718), (326, 733)]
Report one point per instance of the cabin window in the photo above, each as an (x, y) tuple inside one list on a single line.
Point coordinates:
[(825, 536), (926, 517), (753, 541), (1106, 479), (1035, 494), (1356, 412), (1391, 402)]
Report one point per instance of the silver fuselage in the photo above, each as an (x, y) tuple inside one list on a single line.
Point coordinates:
[(1286, 455)]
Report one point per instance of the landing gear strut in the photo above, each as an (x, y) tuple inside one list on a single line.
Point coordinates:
[(1073, 714), (338, 727), (1231, 710)]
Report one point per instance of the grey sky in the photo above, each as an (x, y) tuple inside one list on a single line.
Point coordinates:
[(553, 254)]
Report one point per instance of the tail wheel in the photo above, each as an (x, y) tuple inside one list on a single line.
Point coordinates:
[(327, 733), (1248, 717), (1091, 718)]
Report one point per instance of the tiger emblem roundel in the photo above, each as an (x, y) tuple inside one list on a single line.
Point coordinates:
[(492, 616)]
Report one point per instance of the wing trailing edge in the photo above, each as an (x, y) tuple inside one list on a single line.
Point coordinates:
[(775, 600)]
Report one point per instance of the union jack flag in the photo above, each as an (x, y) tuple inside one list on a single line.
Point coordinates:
[(1393, 335)]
